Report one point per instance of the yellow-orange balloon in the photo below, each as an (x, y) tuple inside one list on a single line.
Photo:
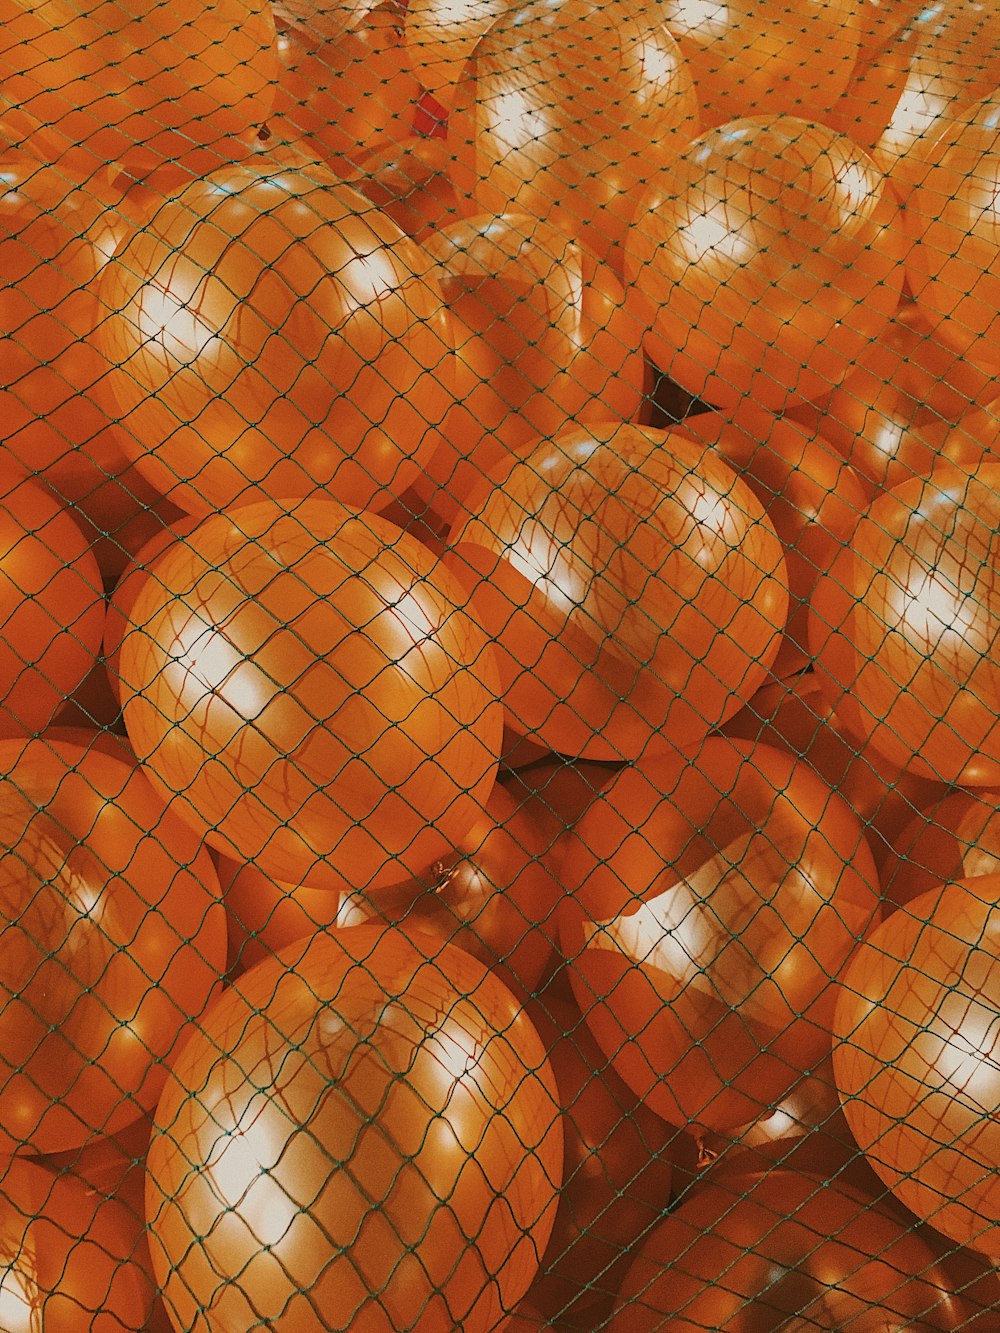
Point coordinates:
[(634, 588), (540, 126), (306, 689), (441, 35), (271, 336), (765, 261)]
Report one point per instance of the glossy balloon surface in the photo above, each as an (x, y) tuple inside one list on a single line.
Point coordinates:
[(765, 261), (359, 1138), (794, 1254), (115, 940), (781, 57), (291, 348), (954, 264), (307, 689), (917, 1057), (718, 900), (957, 837), (539, 127), (542, 338), (408, 180), (493, 895), (617, 637), (441, 35), (51, 606), (904, 623)]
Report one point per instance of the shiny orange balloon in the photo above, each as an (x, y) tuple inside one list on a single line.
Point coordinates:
[(954, 838), (813, 499), (66, 1255), (264, 915), (138, 83), (494, 895), (441, 35), (291, 348), (358, 1139), (541, 339), (539, 125), (765, 261), (619, 634), (307, 691), (790, 1253), (51, 607), (115, 940), (617, 1174), (341, 98), (716, 899), (918, 1054), (781, 57), (408, 180), (867, 106), (952, 266), (904, 626)]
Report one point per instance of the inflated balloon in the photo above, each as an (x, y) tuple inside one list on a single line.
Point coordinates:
[(359, 1138), (917, 1059), (792, 1252), (954, 838), (619, 635), (765, 261), (51, 607), (66, 1255), (555, 794), (540, 126), (408, 180), (904, 625), (865, 109), (307, 691), (494, 896), (324, 20), (781, 57), (264, 915), (718, 899), (338, 99), (114, 940), (141, 84), (954, 263), (812, 498), (441, 35), (617, 1172), (542, 338), (797, 716), (291, 348)]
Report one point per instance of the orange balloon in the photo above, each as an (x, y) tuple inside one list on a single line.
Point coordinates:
[(293, 348), (307, 691), (140, 83), (556, 794), (918, 1054), (781, 57), (539, 126), (264, 915), (791, 1253), (716, 899), (358, 1139), (952, 266), (494, 896), (904, 624), (765, 261), (441, 35), (954, 838), (618, 637), (617, 1173), (408, 180), (115, 940), (66, 1254), (541, 339), (51, 607), (809, 494), (866, 107), (340, 98)]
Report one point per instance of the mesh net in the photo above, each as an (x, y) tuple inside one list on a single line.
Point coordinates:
[(499, 703)]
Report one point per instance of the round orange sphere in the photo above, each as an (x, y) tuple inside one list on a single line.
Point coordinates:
[(115, 940), (441, 35), (51, 607), (270, 336), (540, 126), (918, 1054), (141, 84), (359, 1138), (619, 634), (542, 338), (716, 900), (765, 261), (904, 624), (307, 691)]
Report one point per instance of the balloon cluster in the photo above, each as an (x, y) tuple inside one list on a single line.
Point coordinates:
[(499, 702)]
